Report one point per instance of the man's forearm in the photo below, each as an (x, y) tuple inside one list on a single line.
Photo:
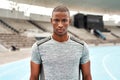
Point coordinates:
[(34, 78), (87, 77)]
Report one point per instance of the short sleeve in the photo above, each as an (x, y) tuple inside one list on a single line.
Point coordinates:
[(85, 54), (35, 57)]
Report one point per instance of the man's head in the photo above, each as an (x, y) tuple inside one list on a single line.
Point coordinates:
[(60, 20), (61, 8)]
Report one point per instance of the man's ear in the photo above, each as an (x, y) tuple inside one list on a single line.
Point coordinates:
[(51, 20), (70, 20)]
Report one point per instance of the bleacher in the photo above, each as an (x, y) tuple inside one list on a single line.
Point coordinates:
[(21, 40), (3, 29), (20, 25), (109, 36), (82, 33), (45, 25), (115, 30), (16, 40), (9, 38)]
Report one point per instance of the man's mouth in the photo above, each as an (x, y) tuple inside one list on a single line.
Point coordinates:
[(60, 30)]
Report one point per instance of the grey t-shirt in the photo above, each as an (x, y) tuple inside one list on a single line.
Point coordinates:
[(60, 60)]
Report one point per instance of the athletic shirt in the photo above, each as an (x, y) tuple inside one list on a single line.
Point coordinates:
[(60, 60)]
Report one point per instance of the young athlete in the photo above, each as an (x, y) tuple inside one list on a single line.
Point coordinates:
[(60, 57)]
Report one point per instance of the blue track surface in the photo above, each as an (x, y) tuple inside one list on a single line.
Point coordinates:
[(18, 70), (104, 65), (105, 62)]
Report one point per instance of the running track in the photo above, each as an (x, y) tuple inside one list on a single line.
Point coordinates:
[(104, 65)]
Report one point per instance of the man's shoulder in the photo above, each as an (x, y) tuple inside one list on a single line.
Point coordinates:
[(43, 40), (77, 40)]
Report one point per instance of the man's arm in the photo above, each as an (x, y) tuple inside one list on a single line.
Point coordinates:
[(86, 73), (35, 71)]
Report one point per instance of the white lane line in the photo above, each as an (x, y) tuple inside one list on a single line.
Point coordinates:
[(106, 69)]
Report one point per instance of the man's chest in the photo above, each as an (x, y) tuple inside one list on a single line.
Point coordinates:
[(60, 54)]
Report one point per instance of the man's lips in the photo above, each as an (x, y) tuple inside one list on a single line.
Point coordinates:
[(60, 30)]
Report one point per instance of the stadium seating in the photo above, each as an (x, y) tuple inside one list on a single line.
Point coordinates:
[(3, 29), (115, 30), (20, 25), (17, 40), (21, 40)]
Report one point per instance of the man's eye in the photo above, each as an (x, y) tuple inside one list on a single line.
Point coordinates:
[(64, 20), (56, 20)]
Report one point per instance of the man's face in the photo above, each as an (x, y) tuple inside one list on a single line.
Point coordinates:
[(60, 22)]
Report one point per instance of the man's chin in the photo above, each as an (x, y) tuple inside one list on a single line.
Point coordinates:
[(61, 34)]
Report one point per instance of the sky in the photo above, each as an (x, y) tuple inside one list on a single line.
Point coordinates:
[(27, 9)]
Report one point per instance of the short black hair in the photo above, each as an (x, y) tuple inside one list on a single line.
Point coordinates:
[(61, 8)]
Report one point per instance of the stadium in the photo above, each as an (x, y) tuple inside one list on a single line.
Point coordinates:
[(23, 22)]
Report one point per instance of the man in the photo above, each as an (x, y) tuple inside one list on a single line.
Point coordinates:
[(60, 57)]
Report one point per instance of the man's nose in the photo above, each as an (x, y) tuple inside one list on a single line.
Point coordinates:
[(60, 24)]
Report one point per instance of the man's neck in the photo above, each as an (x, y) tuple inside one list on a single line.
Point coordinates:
[(60, 38)]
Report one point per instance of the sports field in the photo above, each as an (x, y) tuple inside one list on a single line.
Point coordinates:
[(104, 65)]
